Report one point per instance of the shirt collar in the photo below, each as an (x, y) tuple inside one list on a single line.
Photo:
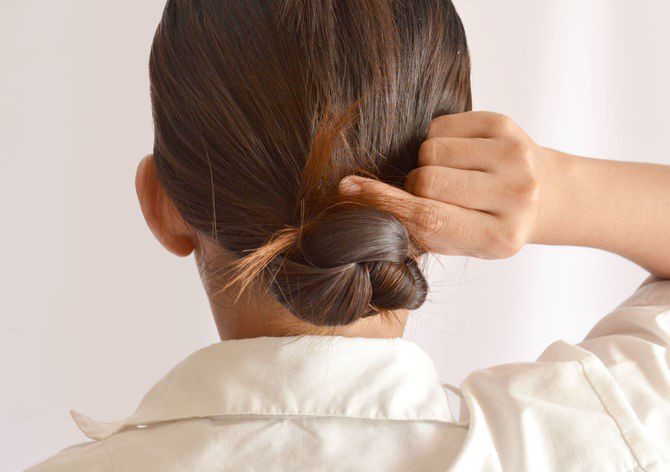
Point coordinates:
[(385, 379)]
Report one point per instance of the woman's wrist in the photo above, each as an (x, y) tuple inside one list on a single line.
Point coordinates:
[(560, 178), (620, 207), (578, 205)]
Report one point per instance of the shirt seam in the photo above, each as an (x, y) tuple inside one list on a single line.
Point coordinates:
[(292, 415), (109, 456), (616, 420), (135, 425)]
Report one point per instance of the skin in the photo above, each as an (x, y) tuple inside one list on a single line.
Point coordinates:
[(482, 188), (255, 313)]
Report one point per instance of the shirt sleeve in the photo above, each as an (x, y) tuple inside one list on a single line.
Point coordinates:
[(632, 342), (601, 404), (645, 315)]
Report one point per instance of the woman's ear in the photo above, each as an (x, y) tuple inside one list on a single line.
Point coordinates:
[(163, 219)]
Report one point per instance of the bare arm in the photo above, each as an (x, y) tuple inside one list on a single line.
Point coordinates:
[(621, 207), (484, 188)]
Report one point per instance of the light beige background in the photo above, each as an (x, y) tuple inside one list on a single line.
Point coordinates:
[(94, 311)]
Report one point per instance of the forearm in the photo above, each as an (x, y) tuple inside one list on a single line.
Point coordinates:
[(484, 188), (621, 207)]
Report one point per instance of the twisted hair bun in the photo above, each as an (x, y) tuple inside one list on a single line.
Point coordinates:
[(352, 261), (261, 108)]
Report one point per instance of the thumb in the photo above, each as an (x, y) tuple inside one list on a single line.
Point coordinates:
[(440, 227), (354, 185)]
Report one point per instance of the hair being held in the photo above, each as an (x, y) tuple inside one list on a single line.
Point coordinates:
[(261, 108)]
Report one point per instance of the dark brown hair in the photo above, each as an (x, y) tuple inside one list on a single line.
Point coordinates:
[(262, 106)]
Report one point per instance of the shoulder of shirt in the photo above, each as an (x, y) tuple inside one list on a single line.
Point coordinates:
[(653, 291), (89, 456)]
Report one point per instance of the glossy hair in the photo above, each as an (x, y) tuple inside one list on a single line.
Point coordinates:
[(262, 106)]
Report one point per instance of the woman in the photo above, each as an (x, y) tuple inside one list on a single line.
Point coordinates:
[(309, 153)]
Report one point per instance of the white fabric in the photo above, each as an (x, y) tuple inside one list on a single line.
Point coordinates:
[(333, 403)]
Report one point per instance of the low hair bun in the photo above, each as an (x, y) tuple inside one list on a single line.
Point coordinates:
[(350, 262)]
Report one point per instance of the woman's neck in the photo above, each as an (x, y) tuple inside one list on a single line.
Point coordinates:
[(254, 315), (255, 312)]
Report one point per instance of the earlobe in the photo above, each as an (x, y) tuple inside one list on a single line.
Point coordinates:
[(165, 222)]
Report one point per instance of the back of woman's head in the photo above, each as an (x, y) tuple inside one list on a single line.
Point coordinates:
[(262, 106)]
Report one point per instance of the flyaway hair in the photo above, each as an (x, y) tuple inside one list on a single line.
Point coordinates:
[(261, 107)]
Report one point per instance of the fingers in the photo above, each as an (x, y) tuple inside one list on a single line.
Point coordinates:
[(465, 188), (461, 153), (443, 227), (472, 124), (475, 190)]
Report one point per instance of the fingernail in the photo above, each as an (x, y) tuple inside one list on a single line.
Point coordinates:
[(350, 185)]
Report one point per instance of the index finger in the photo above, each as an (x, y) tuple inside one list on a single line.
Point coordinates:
[(471, 124)]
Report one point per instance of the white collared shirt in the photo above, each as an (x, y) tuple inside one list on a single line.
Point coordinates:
[(334, 403)]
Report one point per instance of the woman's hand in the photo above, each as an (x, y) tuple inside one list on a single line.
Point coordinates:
[(479, 189), (483, 188)]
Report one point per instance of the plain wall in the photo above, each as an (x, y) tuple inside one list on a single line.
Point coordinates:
[(94, 311)]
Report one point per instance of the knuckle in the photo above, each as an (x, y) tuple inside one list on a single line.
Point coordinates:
[(505, 241), (502, 125), (424, 182), (410, 185), (528, 189), (435, 125), (524, 189), (428, 152), (519, 151), (431, 220), (518, 146)]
